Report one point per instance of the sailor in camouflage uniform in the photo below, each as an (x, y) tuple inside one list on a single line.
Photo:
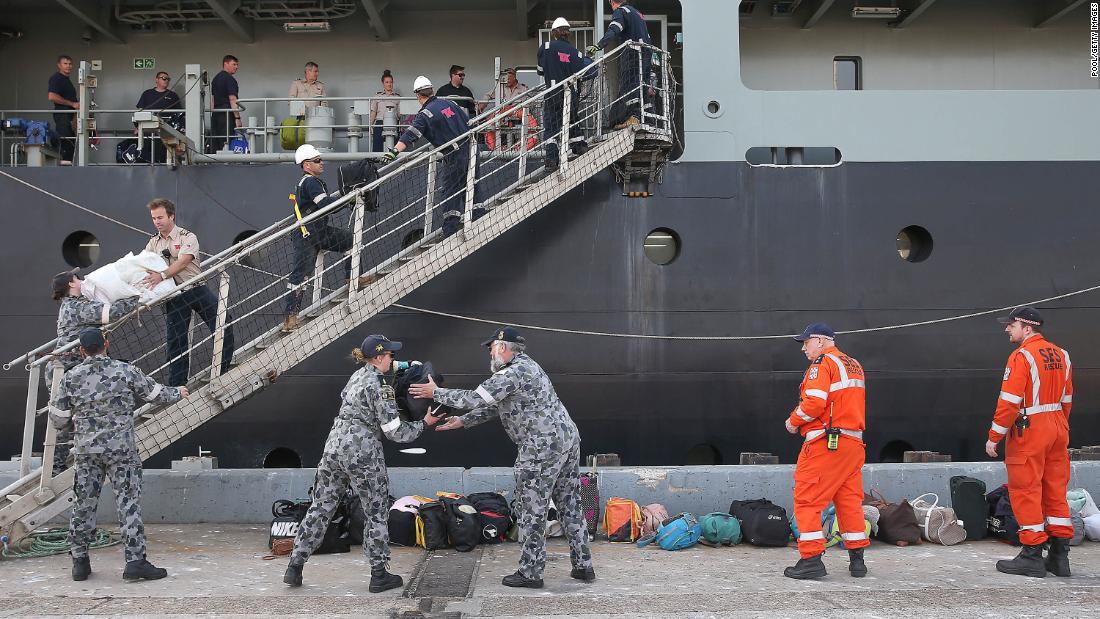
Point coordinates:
[(99, 397), (548, 464), (77, 313), (353, 457)]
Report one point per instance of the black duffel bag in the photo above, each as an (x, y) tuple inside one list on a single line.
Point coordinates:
[(968, 501), (1002, 521), (433, 517), (287, 518), (414, 409), (463, 526), (763, 523), (357, 174), (493, 515)]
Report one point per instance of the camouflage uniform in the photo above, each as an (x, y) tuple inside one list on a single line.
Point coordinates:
[(548, 464), (102, 394), (77, 314), (353, 457)]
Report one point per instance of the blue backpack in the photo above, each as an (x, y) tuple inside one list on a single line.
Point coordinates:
[(675, 533)]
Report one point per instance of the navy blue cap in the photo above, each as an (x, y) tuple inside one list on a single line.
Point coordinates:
[(505, 334), (817, 328), (377, 344), (91, 338), (1026, 315)]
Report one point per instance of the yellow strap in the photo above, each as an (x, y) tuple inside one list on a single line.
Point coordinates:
[(420, 532), (298, 214)]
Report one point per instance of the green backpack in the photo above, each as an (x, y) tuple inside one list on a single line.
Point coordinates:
[(720, 528)]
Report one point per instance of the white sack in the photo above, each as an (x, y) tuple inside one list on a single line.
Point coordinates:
[(122, 278)]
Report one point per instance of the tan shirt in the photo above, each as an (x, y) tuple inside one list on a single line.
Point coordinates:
[(179, 241), (381, 101), (301, 89), (508, 92)]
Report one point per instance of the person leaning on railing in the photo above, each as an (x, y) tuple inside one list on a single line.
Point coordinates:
[(309, 87), (385, 99), (457, 88), (627, 24)]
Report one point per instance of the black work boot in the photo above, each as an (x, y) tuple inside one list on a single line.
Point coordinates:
[(82, 568), (1057, 557), (856, 566), (381, 580), (1028, 563), (519, 580), (293, 574), (586, 574), (143, 570), (805, 569)]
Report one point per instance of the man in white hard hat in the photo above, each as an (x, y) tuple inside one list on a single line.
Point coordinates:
[(310, 195), (558, 60), (441, 121)]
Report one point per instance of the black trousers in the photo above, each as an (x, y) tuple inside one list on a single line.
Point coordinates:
[(322, 237), (552, 113), (66, 146), (200, 300), (220, 126)]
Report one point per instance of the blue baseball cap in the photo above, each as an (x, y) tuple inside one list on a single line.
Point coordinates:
[(817, 328), (505, 334), (91, 338), (376, 344)]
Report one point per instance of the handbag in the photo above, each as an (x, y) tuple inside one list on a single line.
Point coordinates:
[(897, 522), (938, 524)]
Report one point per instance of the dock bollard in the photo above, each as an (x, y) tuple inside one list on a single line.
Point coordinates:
[(1090, 452), (924, 456), (750, 457)]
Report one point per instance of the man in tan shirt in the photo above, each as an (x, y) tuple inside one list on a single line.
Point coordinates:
[(309, 87), (180, 248)]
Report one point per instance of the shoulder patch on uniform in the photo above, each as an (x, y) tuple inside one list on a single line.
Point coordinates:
[(818, 360), (1007, 372), (387, 393), (813, 373)]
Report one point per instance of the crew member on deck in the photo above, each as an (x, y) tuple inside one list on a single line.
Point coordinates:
[(831, 418), (557, 60), (627, 24), (1033, 411), (440, 121)]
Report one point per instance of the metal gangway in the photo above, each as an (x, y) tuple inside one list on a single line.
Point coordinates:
[(397, 246)]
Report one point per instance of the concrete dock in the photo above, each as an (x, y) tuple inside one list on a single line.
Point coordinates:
[(219, 570)]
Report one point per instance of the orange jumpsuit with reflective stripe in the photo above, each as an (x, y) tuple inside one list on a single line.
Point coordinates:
[(1038, 382), (833, 385)]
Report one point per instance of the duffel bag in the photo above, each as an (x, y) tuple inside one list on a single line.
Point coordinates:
[(493, 515), (463, 526), (763, 523), (719, 529), (1002, 521), (938, 524), (897, 522), (968, 501), (431, 526)]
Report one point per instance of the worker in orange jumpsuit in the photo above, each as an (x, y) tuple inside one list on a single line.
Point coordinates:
[(1033, 411), (830, 417)]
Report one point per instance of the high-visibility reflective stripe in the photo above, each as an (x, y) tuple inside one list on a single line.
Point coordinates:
[(802, 415), (811, 536), (845, 384), (812, 434), (1034, 376), (1012, 399), (616, 24), (817, 393), (106, 316), (1045, 408), (321, 196), (484, 393), (391, 425), (156, 391), (839, 367), (1033, 527), (998, 429), (851, 537), (1067, 399), (1068, 522)]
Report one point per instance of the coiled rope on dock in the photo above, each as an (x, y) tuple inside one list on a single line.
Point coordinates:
[(641, 336), (54, 542)]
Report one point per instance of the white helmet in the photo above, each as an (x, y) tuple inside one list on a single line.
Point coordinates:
[(559, 23), (305, 152), (421, 83)]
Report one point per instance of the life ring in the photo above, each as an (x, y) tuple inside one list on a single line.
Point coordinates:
[(514, 115)]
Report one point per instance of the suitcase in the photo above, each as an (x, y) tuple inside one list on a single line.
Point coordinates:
[(590, 502), (968, 500)]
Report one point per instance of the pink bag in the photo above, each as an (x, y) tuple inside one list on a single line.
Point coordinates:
[(652, 516)]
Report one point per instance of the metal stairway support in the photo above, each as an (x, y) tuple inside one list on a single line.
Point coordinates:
[(30, 503)]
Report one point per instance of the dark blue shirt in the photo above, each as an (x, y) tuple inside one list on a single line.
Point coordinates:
[(627, 24), (223, 85), (312, 194), (439, 120), (559, 59), (62, 86), (153, 100)]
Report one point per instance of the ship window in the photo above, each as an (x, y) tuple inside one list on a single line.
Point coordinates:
[(282, 458), (914, 244), (848, 73), (793, 155), (80, 249), (714, 109), (662, 246), (703, 453)]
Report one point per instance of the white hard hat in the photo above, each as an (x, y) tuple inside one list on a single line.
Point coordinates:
[(559, 23), (305, 152), (421, 83)]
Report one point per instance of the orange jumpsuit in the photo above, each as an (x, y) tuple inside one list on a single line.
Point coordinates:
[(1038, 383), (833, 385)]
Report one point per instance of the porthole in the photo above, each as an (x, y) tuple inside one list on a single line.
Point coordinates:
[(713, 109), (80, 249), (282, 458), (894, 451), (703, 453), (662, 246), (914, 244)]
